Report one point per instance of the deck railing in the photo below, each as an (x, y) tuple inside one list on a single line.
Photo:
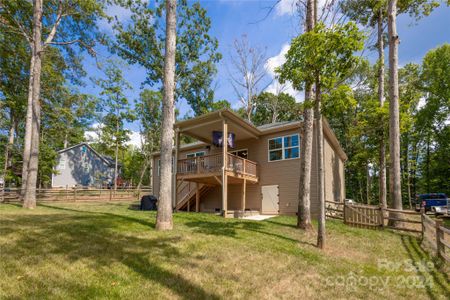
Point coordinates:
[(200, 164), (213, 164), (241, 165)]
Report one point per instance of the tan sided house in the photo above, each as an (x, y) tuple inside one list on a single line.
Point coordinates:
[(236, 168)]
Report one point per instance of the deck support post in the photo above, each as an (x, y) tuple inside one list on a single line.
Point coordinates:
[(175, 168), (197, 197), (224, 167), (244, 191)]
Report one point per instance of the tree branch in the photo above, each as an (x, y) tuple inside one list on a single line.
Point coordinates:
[(59, 16), (22, 30), (89, 48)]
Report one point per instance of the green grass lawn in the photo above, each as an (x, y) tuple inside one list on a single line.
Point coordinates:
[(76, 250)]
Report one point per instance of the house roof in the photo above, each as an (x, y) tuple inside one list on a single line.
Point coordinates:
[(279, 126), (109, 161), (202, 126)]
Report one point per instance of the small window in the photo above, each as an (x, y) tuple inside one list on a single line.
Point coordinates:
[(286, 147), (62, 164), (195, 154), (159, 166)]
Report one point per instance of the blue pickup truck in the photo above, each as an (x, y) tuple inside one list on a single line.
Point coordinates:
[(436, 202)]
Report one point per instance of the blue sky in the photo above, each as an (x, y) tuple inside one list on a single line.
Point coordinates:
[(233, 18)]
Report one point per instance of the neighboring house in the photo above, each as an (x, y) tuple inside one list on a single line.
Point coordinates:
[(81, 165), (261, 172)]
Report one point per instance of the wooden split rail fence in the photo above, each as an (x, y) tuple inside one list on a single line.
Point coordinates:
[(434, 234), (77, 194), (436, 237)]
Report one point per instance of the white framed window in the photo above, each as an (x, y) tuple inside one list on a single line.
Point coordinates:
[(195, 154), (284, 147), (62, 164), (159, 166)]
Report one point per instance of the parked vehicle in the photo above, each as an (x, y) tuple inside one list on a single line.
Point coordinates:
[(435, 202)]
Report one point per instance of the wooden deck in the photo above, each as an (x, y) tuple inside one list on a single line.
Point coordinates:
[(208, 169)]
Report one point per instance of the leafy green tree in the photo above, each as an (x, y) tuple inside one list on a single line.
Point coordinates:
[(435, 82), (271, 108), (372, 13), (14, 72), (117, 110), (432, 124), (141, 41), (324, 56), (221, 104), (65, 112), (45, 25), (149, 110)]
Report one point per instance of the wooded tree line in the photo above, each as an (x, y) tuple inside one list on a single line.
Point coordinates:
[(351, 94), (384, 117), (44, 42), (66, 114)]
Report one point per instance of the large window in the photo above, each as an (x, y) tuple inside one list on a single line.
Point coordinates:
[(284, 147)]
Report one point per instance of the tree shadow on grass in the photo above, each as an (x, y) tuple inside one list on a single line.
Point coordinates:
[(123, 217), (272, 221), (230, 228), (90, 237), (420, 259)]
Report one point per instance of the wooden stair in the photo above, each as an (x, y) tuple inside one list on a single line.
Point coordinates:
[(189, 198)]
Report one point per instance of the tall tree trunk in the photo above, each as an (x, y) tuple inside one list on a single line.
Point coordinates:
[(28, 128), (428, 163), (8, 148), (320, 168), (141, 176), (414, 168), (164, 214), (408, 181), (66, 142), (274, 115), (10, 143), (116, 156), (382, 162), (116, 165), (395, 189), (33, 164), (368, 183), (304, 200)]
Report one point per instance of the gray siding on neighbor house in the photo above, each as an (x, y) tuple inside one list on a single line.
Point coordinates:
[(81, 167)]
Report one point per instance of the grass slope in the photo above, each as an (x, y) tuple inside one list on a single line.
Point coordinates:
[(64, 251)]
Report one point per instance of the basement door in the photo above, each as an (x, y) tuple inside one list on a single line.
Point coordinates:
[(270, 202)]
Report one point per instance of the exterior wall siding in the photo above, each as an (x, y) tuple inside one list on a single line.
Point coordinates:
[(81, 168), (284, 173)]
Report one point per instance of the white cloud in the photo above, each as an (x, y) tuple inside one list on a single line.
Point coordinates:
[(276, 87), (288, 7), (277, 60), (116, 11), (92, 136), (135, 139), (285, 7), (422, 102)]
